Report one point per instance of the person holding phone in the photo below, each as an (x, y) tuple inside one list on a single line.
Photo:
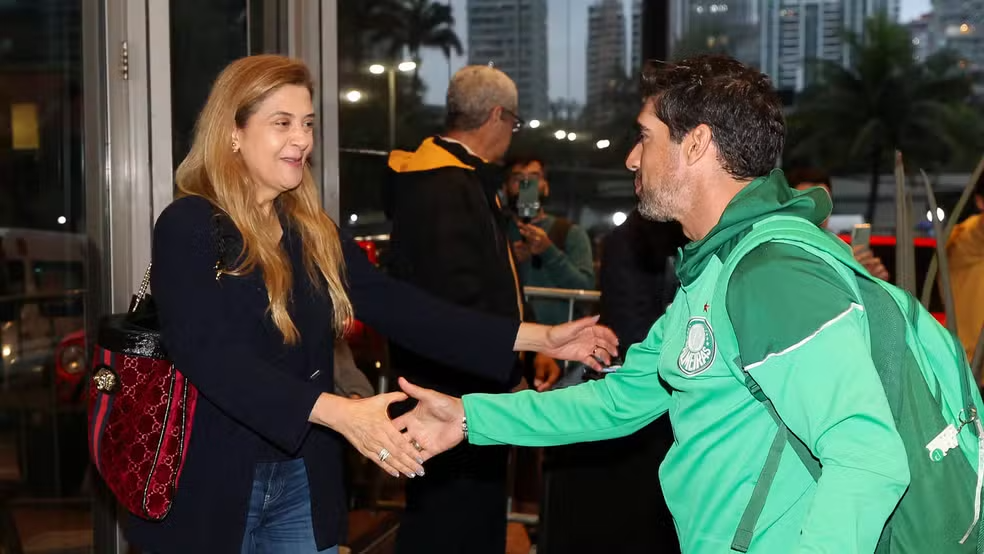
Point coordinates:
[(806, 178), (550, 251)]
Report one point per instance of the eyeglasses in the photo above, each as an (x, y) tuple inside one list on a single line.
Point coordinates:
[(517, 121)]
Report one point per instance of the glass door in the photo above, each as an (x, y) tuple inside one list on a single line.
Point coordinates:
[(45, 253)]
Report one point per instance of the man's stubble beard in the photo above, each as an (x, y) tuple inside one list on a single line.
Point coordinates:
[(660, 202)]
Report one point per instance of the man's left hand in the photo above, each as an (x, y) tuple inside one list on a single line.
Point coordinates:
[(434, 424), (546, 372), (536, 237), (581, 340)]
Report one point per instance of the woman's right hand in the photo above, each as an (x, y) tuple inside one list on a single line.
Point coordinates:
[(366, 424)]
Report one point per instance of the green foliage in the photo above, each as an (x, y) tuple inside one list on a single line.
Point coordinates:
[(856, 116), (413, 25), (392, 29)]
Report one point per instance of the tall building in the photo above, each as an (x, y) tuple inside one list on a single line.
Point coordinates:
[(892, 7), (804, 30), (721, 26), (959, 26), (857, 11), (635, 38), (605, 50), (777, 36), (512, 35), (923, 36)]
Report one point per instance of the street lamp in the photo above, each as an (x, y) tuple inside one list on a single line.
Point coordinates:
[(379, 69), (560, 134), (572, 136), (534, 123), (353, 96)]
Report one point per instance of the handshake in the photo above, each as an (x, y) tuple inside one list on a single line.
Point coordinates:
[(437, 423)]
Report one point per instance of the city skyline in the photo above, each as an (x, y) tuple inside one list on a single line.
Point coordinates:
[(567, 30), (513, 37)]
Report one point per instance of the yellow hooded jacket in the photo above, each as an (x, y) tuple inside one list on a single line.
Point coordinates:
[(447, 238), (965, 250)]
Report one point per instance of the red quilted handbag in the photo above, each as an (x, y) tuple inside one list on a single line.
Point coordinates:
[(141, 410)]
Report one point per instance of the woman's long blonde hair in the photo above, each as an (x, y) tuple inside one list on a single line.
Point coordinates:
[(213, 171)]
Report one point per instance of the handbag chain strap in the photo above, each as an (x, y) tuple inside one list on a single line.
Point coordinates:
[(142, 291), (145, 283)]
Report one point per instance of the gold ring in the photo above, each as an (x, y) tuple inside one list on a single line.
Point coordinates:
[(416, 445)]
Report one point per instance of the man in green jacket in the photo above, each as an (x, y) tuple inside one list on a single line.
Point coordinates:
[(711, 130)]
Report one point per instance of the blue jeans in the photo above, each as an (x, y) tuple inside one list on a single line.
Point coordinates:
[(279, 519)]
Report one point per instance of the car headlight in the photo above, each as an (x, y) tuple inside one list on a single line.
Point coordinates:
[(73, 359)]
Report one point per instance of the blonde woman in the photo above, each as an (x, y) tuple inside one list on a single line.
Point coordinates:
[(253, 284)]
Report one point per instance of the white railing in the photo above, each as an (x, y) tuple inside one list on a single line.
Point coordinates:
[(571, 295)]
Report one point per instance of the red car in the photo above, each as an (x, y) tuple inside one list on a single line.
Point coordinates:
[(70, 368)]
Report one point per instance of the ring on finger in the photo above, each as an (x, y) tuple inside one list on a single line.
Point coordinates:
[(416, 445), (383, 454), (594, 354)]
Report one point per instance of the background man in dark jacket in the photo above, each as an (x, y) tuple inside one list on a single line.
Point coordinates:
[(448, 238), (615, 480)]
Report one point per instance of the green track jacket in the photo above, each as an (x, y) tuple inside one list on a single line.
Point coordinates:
[(800, 331)]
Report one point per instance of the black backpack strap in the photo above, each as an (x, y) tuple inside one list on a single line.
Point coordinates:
[(558, 232), (746, 527)]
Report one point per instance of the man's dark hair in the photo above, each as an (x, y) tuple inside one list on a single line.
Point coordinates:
[(799, 175), (525, 160), (737, 102)]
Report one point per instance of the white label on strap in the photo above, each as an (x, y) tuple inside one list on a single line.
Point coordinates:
[(943, 443)]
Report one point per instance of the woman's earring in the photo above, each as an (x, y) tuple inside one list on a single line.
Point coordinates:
[(235, 147)]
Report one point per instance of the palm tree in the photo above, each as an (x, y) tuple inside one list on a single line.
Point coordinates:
[(882, 101), (361, 21), (418, 24)]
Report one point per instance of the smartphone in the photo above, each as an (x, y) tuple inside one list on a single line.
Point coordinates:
[(528, 202), (861, 236), (588, 374)]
